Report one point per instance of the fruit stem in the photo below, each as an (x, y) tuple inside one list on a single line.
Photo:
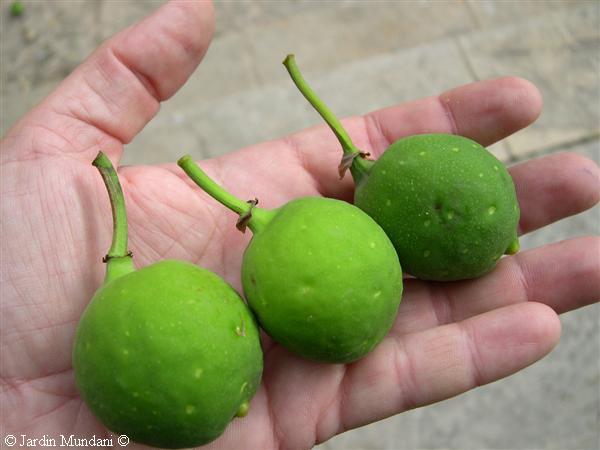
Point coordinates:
[(360, 165), (256, 218), (118, 259)]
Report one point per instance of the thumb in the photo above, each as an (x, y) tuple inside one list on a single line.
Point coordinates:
[(109, 98)]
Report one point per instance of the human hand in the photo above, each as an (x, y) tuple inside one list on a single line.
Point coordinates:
[(448, 338)]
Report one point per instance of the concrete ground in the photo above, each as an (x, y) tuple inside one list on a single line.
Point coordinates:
[(363, 55)]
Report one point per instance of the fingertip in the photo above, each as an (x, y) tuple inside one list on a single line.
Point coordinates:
[(165, 48), (492, 109), (526, 94), (544, 326), (203, 13), (586, 178), (552, 187)]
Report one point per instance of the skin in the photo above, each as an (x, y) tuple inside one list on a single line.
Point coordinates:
[(446, 339)]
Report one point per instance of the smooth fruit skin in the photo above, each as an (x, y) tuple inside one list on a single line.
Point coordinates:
[(323, 279), (167, 355), (448, 205)]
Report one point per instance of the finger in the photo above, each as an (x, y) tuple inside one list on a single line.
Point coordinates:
[(107, 100), (439, 363), (563, 276), (555, 187), (485, 111)]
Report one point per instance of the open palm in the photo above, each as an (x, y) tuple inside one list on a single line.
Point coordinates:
[(448, 338)]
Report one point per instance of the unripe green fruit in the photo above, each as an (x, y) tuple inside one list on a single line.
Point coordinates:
[(448, 205), (323, 279), (167, 354), (321, 276)]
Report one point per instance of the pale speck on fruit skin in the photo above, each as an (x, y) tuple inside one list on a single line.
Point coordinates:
[(189, 409), (495, 167), (480, 175), (244, 386), (125, 352), (465, 250), (427, 223), (401, 162), (426, 253), (136, 394), (455, 149), (198, 372), (450, 215), (376, 294), (422, 153), (310, 318), (388, 202), (372, 244), (126, 333), (491, 210)]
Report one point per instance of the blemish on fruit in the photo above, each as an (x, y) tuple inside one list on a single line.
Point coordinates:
[(427, 223), (426, 253), (240, 330), (243, 409), (198, 372), (491, 210)]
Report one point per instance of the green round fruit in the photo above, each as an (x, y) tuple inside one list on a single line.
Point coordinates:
[(167, 355), (323, 279), (448, 205)]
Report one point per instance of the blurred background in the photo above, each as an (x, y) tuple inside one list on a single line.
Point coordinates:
[(361, 56)]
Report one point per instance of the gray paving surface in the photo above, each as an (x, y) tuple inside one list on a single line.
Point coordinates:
[(362, 56)]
